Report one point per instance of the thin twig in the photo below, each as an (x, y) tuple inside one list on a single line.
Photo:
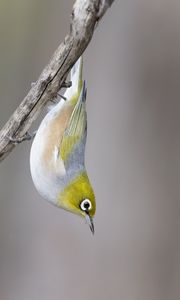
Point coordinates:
[(84, 17)]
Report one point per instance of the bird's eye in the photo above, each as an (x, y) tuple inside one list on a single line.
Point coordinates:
[(86, 205)]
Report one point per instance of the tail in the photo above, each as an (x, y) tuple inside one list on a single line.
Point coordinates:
[(72, 93), (83, 93), (76, 76)]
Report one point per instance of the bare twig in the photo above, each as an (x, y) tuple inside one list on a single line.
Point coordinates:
[(84, 16)]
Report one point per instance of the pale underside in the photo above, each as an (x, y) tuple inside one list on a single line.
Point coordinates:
[(50, 173)]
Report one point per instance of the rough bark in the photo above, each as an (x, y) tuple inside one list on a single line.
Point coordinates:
[(84, 17)]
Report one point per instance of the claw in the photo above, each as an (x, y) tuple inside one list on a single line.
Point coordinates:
[(26, 137), (66, 84)]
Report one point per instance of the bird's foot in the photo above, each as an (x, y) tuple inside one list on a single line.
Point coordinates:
[(26, 137), (66, 84)]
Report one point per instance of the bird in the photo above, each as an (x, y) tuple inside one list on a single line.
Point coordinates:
[(57, 156)]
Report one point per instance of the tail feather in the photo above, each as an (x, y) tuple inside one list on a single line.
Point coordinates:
[(74, 91), (83, 93), (76, 75)]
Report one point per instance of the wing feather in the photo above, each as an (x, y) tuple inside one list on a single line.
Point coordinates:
[(77, 126)]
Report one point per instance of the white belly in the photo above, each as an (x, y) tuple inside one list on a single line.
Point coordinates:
[(47, 171)]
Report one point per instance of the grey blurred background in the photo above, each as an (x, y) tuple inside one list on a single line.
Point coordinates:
[(132, 68)]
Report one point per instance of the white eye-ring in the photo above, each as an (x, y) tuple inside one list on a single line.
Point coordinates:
[(86, 205)]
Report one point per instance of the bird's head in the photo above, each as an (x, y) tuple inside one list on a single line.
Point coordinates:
[(78, 198)]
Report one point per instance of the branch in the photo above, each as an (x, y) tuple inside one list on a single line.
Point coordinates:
[(84, 17)]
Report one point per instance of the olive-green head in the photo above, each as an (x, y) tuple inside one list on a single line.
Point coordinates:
[(78, 197)]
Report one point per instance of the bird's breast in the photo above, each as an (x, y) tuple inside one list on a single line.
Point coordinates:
[(47, 167)]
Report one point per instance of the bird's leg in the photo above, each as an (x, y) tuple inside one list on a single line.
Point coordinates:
[(55, 101), (64, 98), (26, 137), (65, 85)]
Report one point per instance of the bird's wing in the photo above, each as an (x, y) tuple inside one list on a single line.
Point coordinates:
[(76, 129)]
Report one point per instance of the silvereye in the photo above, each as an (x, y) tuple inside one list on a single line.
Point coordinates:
[(57, 153)]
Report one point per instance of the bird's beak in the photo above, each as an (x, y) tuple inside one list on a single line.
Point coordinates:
[(89, 221)]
